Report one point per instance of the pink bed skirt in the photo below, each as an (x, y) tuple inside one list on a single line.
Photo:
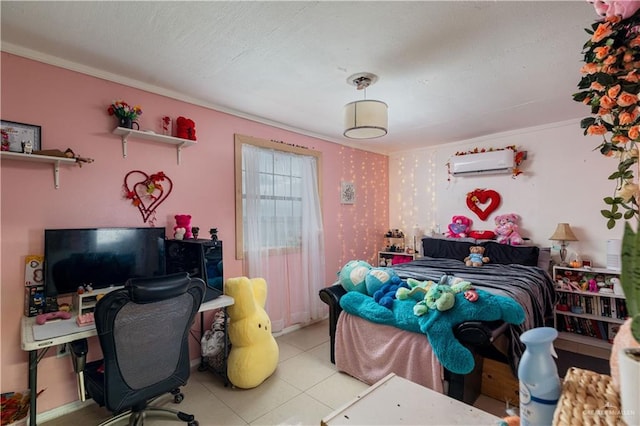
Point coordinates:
[(369, 351)]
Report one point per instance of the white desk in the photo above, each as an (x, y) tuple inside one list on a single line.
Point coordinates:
[(395, 401), (38, 348)]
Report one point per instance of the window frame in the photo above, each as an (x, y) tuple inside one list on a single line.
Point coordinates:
[(240, 140)]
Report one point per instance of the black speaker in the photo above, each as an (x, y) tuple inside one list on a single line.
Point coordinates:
[(201, 259)]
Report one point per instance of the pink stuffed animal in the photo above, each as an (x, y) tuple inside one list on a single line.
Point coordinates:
[(622, 8), (507, 230), (459, 227), (184, 221)]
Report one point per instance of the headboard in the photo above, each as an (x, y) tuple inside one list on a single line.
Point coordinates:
[(458, 248)]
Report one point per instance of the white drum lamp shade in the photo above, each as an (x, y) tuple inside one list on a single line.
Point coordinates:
[(366, 119)]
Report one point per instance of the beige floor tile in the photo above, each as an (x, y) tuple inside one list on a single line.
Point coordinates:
[(287, 351), (337, 390), (251, 404), (304, 371), (308, 337), (301, 410)]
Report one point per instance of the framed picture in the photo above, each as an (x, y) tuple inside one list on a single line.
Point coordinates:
[(17, 134), (347, 193)]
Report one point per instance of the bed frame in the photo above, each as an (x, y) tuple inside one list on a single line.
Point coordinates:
[(484, 339)]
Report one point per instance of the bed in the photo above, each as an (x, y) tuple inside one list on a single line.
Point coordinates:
[(368, 348)]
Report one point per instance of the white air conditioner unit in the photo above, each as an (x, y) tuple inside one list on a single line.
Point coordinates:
[(490, 162)]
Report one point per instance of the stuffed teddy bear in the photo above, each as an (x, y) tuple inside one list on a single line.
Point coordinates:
[(476, 257), (254, 352), (185, 128), (352, 275), (459, 227), (507, 229), (178, 233), (183, 221)]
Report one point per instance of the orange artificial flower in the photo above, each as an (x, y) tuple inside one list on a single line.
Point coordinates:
[(607, 102), (596, 129), (589, 68), (634, 133), (597, 86), (614, 91), (627, 99), (603, 31), (602, 51), (627, 117), (619, 139)]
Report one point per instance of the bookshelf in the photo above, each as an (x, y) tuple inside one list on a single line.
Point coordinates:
[(583, 316)]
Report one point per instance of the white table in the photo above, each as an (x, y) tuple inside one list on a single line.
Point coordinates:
[(68, 331), (397, 401)]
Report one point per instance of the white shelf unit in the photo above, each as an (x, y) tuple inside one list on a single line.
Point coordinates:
[(86, 302), (125, 134), (56, 161), (585, 317)]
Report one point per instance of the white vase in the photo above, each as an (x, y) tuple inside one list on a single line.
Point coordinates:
[(629, 365)]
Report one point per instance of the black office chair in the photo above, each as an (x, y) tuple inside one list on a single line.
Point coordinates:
[(143, 331)]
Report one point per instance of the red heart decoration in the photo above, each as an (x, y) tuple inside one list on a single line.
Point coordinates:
[(482, 196), (148, 191)]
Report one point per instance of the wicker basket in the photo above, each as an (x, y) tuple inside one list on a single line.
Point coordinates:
[(588, 398)]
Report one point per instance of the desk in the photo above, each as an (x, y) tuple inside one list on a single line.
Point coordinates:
[(394, 401), (38, 348)]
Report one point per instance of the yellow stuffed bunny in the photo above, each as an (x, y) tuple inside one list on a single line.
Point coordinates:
[(254, 351)]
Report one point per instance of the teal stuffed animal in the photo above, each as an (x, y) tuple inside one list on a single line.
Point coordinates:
[(352, 276), (441, 296)]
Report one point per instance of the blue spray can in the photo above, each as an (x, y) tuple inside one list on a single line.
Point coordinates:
[(538, 376)]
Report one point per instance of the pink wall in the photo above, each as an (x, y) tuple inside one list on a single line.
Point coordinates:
[(71, 108)]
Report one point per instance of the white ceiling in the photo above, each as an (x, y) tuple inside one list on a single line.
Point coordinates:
[(449, 71)]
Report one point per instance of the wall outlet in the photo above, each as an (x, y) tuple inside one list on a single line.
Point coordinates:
[(62, 350)]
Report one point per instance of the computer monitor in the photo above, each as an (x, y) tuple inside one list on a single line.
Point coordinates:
[(100, 257)]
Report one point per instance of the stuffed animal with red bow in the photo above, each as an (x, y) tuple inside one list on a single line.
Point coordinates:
[(186, 128)]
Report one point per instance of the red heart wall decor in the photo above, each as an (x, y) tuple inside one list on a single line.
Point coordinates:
[(147, 192), (482, 196)]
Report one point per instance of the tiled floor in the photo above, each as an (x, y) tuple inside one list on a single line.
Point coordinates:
[(305, 388)]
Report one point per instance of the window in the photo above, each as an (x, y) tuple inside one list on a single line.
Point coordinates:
[(278, 192)]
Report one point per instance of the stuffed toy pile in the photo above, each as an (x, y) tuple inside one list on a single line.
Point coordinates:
[(507, 231), (379, 283), (185, 128)]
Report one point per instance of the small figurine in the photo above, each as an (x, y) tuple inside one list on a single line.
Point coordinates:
[(214, 234), (195, 231)]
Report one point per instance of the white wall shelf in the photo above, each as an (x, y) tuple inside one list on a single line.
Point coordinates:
[(56, 161), (125, 133)]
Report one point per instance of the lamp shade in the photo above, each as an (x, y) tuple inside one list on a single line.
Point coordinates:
[(366, 119), (563, 233)]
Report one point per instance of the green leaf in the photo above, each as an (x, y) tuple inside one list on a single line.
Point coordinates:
[(611, 223), (586, 122), (630, 277), (608, 200), (635, 327), (628, 214), (606, 213), (614, 175), (617, 216)]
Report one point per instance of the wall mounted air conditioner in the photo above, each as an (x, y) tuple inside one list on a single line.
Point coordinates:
[(490, 162)]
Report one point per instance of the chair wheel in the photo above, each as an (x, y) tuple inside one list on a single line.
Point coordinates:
[(193, 423), (178, 398)]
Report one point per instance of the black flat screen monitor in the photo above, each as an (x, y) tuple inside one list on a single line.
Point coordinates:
[(101, 257)]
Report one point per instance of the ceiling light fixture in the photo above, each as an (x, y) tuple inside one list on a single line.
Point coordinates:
[(366, 119)]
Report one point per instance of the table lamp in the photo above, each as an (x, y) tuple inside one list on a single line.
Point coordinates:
[(563, 233)]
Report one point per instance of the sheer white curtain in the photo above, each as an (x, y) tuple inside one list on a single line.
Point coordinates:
[(283, 233)]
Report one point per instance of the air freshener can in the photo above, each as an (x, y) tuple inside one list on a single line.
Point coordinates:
[(538, 376)]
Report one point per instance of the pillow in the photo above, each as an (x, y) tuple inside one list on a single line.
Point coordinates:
[(505, 254), (446, 248)]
